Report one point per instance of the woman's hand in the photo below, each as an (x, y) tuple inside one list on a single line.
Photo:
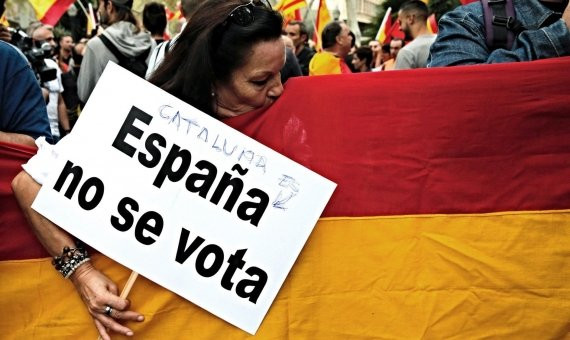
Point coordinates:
[(97, 292)]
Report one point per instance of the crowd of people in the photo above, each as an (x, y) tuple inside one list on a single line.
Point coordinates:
[(231, 57)]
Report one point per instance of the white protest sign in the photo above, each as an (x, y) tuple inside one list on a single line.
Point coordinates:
[(182, 198)]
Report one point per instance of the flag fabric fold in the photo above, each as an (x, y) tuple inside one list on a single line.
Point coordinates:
[(450, 219), (290, 9), (385, 27), (50, 11), (323, 17), (432, 24)]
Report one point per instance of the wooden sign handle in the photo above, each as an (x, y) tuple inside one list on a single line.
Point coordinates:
[(127, 289)]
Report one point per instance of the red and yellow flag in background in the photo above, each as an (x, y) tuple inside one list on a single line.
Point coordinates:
[(451, 218), (388, 29), (383, 35), (290, 9), (50, 11), (4, 21), (432, 24), (323, 17)]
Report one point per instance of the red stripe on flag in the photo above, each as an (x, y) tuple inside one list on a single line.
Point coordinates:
[(460, 140), (298, 15), (17, 241), (291, 4), (54, 13)]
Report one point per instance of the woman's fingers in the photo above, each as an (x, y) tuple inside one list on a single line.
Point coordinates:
[(126, 315), (99, 292), (101, 329), (110, 324), (108, 299)]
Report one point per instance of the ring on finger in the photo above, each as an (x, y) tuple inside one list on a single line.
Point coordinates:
[(108, 310)]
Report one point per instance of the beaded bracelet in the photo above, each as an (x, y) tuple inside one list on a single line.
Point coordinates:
[(70, 260)]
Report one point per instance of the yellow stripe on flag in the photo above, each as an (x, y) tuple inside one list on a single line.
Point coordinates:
[(322, 19), (400, 277), (4, 21), (42, 6), (290, 6), (386, 21)]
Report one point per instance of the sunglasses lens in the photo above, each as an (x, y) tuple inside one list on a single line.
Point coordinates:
[(263, 3), (242, 16)]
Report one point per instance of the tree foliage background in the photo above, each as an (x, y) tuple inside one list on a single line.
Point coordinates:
[(439, 7)]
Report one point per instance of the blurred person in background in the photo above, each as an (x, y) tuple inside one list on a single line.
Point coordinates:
[(187, 8), (154, 20), (337, 42), (376, 48), (412, 19), (64, 52), (56, 109), (297, 31), (123, 32), (362, 59)]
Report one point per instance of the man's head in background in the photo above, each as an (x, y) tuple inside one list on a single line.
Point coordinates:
[(112, 11), (396, 45), (297, 31), (336, 38), (412, 18)]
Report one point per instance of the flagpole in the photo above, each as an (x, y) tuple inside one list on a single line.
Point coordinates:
[(383, 24), (83, 8), (127, 289), (87, 14), (309, 9), (308, 16), (352, 20)]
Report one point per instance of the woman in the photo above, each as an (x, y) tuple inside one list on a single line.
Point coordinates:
[(362, 59), (237, 60), (226, 63)]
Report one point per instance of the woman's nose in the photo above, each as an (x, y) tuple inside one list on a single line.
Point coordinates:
[(276, 89)]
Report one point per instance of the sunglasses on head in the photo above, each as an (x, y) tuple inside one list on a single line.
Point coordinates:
[(243, 14)]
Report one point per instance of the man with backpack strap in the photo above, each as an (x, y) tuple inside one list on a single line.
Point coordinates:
[(495, 31), (187, 8), (124, 43)]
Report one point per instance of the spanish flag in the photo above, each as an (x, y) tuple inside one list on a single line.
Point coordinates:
[(290, 9), (383, 35), (432, 24), (4, 21), (323, 17), (451, 218), (50, 11), (176, 15)]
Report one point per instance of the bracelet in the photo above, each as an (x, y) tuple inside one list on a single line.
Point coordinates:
[(70, 260)]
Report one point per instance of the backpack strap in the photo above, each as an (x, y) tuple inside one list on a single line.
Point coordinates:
[(167, 47), (501, 25), (121, 57)]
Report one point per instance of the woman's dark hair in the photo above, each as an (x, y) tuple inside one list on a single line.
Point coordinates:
[(154, 18), (210, 49), (364, 53)]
